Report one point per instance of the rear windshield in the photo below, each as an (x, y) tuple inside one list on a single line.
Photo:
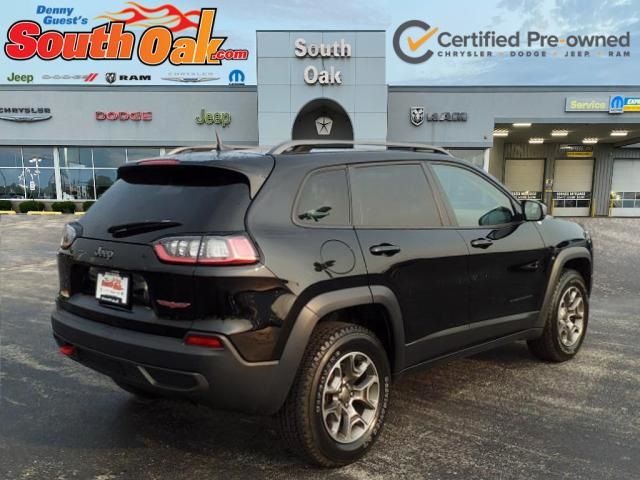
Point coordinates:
[(193, 198)]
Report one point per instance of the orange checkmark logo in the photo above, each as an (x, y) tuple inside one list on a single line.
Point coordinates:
[(416, 44)]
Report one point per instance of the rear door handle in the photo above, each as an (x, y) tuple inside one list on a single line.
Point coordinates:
[(386, 249), (481, 243)]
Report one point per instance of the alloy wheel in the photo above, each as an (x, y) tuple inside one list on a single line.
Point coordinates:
[(571, 317), (351, 398)]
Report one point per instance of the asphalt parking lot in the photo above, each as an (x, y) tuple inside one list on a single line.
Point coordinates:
[(497, 415)]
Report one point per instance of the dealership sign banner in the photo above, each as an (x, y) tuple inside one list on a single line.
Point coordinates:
[(204, 43), (117, 43)]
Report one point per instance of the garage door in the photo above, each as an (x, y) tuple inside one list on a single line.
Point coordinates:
[(625, 188), (572, 182), (524, 178)]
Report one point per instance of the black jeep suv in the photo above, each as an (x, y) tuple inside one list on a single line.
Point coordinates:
[(300, 281)]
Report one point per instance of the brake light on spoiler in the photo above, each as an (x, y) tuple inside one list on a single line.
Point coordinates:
[(159, 161), (207, 250)]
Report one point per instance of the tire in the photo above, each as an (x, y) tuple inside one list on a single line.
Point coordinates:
[(313, 421), (139, 395), (559, 341)]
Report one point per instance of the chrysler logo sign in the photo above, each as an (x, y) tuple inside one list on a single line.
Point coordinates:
[(25, 114)]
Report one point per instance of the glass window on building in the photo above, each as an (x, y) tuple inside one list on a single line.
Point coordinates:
[(85, 172), (11, 173), (38, 175), (109, 157), (77, 184), (76, 173), (140, 153)]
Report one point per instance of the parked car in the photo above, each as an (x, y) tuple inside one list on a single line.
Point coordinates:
[(299, 282)]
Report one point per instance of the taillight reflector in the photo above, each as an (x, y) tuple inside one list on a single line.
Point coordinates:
[(204, 341), (68, 350), (207, 250)]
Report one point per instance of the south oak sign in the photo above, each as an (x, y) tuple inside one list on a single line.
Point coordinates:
[(111, 41)]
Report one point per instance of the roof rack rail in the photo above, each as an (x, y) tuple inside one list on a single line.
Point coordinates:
[(218, 147), (304, 146), (195, 148), (209, 148)]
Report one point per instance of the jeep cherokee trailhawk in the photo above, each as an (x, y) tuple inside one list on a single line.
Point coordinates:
[(300, 281)]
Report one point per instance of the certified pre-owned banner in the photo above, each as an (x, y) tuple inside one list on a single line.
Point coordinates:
[(203, 42)]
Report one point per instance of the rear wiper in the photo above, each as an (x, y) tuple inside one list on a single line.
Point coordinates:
[(127, 229)]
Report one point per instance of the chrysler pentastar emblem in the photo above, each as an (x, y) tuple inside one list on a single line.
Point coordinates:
[(416, 114), (103, 253), (323, 125)]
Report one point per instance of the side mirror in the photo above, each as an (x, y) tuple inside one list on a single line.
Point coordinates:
[(534, 210)]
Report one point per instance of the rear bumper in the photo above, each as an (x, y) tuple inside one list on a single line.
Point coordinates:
[(166, 366)]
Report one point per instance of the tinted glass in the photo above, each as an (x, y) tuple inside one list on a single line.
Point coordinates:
[(38, 156), (77, 183), (108, 157), (199, 199), (11, 183), (474, 156), (40, 183), (324, 199), (474, 200), (104, 179), (392, 196), (10, 157), (75, 157)]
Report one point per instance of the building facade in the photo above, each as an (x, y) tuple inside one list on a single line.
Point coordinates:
[(571, 147)]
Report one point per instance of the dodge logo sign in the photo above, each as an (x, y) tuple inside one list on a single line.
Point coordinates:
[(125, 116)]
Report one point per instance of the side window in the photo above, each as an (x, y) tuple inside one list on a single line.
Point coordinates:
[(324, 199), (474, 200), (392, 196)]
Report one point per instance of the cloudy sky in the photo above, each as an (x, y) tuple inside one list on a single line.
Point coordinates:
[(239, 19)]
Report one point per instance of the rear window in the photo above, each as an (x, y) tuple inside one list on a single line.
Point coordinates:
[(197, 199)]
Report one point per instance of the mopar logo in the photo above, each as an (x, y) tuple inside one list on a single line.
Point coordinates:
[(616, 104), (236, 77), (103, 253)]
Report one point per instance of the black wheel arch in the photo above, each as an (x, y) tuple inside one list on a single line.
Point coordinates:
[(577, 258), (338, 302)]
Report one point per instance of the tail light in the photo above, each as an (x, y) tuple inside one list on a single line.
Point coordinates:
[(207, 250), (70, 233)]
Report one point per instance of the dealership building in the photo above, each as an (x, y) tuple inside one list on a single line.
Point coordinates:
[(571, 147)]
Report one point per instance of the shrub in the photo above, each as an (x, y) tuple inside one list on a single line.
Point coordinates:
[(64, 207), (31, 206), (87, 205), (5, 205)]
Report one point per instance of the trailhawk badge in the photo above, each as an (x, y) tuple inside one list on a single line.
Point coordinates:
[(416, 114)]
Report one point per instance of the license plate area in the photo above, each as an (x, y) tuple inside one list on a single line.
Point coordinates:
[(113, 288)]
